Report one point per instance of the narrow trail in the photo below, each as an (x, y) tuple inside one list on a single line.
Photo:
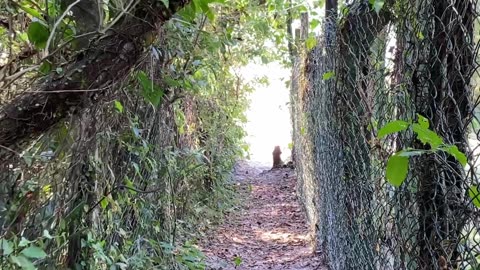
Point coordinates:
[(269, 232)]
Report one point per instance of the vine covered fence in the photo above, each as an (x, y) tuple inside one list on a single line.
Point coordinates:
[(399, 197), (131, 177)]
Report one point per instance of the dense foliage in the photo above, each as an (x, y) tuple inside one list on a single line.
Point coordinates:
[(121, 122)]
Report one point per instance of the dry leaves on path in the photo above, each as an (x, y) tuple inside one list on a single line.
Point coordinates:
[(270, 230)]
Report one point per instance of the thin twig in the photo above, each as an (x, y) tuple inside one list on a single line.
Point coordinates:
[(131, 5), (10, 79), (52, 33), (10, 150), (70, 91)]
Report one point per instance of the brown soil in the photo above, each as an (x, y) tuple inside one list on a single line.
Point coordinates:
[(270, 230)]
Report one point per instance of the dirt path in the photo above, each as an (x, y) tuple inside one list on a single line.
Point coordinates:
[(270, 231)]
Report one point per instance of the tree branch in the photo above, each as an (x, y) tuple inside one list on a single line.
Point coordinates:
[(108, 58)]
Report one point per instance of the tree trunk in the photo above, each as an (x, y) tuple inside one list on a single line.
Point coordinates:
[(108, 59)]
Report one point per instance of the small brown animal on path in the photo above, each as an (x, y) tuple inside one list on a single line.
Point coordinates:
[(277, 160)]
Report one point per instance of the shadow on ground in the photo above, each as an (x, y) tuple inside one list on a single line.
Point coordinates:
[(269, 232)]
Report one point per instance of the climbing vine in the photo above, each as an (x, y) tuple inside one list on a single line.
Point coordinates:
[(397, 164), (134, 162)]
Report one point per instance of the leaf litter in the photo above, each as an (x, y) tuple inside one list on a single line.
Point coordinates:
[(269, 231)]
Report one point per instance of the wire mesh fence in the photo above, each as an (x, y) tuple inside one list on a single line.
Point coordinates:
[(407, 60)]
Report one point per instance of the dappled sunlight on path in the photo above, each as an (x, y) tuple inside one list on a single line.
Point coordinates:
[(270, 232)]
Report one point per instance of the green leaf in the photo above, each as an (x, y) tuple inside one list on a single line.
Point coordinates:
[(23, 262), (45, 68), (24, 242), (473, 194), (47, 234), (420, 35), (397, 170), (311, 42), (302, 131), (392, 127), (150, 91), (187, 13), (456, 153), (129, 184), (237, 261), (314, 23), (136, 167), (328, 75), (136, 132), (34, 252), (31, 11), (104, 203), (377, 5), (345, 10), (7, 247), (38, 34), (422, 121), (202, 5), (23, 36), (426, 135), (411, 153), (166, 3), (118, 106)]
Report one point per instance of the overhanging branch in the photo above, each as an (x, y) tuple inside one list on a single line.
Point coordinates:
[(108, 58)]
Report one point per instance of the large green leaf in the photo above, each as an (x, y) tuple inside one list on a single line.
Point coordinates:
[(23, 262), (34, 252), (150, 91), (33, 12), (426, 135), (473, 194), (397, 170), (392, 127), (423, 121), (456, 153), (7, 247), (38, 34)]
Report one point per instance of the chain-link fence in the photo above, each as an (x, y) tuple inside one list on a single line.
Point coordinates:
[(405, 59)]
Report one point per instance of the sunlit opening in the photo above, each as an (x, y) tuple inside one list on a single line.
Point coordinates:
[(269, 121)]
